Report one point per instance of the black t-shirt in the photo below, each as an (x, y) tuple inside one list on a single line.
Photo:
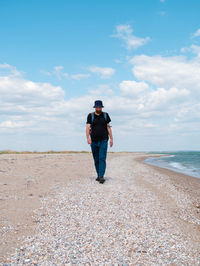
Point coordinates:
[(99, 126)]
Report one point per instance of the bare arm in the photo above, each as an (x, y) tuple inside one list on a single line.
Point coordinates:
[(87, 133), (110, 134)]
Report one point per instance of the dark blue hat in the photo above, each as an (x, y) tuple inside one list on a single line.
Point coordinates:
[(98, 104)]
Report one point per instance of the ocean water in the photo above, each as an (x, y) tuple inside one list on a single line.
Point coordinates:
[(186, 162)]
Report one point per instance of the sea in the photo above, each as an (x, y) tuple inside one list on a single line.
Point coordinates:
[(186, 162)]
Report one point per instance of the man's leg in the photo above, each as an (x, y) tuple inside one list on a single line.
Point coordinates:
[(95, 153), (102, 157)]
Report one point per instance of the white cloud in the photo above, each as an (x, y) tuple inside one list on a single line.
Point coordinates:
[(14, 124), (192, 48), (197, 33), (195, 49), (80, 76), (132, 88), (17, 89), (102, 89), (150, 125), (125, 32), (25, 104), (177, 89), (47, 73), (6, 69), (184, 49), (58, 71), (163, 98), (162, 102), (175, 71), (102, 72)]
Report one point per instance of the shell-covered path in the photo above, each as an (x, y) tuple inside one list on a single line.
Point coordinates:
[(135, 218)]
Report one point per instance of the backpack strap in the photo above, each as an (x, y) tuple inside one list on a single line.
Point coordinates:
[(92, 114), (105, 115)]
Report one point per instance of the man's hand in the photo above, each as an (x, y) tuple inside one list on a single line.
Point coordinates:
[(89, 141), (111, 142)]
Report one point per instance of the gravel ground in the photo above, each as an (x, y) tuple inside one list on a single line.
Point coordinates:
[(128, 220)]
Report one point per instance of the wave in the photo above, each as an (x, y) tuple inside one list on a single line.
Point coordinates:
[(177, 165), (187, 165)]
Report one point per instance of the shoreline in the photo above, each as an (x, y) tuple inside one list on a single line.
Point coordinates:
[(167, 170), (188, 184), (171, 170)]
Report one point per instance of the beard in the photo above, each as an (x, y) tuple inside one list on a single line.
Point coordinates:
[(98, 112)]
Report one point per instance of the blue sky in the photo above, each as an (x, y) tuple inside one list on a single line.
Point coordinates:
[(142, 58)]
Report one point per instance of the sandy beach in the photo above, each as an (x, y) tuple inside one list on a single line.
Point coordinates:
[(53, 211)]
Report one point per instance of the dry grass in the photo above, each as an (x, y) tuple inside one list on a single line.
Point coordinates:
[(42, 152)]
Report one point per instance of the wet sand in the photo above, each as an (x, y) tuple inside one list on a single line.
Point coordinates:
[(185, 183)]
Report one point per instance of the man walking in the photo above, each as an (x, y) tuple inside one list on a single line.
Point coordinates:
[(98, 131)]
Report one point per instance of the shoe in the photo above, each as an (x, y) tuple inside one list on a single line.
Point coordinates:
[(102, 180), (97, 179)]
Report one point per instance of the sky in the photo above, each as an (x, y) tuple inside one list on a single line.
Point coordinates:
[(140, 57)]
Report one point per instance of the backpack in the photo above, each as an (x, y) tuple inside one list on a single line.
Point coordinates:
[(92, 114)]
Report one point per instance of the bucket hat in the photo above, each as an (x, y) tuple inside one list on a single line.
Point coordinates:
[(98, 103)]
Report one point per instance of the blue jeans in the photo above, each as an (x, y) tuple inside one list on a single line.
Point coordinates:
[(99, 152)]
